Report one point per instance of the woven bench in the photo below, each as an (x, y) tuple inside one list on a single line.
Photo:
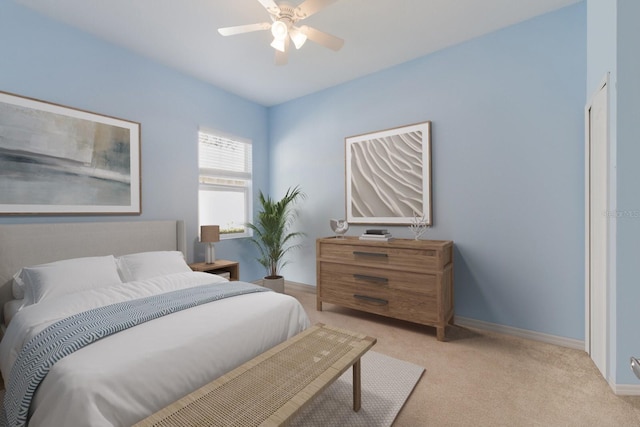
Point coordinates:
[(273, 387)]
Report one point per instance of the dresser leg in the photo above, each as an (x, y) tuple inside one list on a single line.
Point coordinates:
[(319, 305), (440, 333)]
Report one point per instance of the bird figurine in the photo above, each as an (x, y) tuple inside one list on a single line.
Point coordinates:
[(339, 226)]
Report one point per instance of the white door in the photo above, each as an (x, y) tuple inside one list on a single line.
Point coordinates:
[(597, 169)]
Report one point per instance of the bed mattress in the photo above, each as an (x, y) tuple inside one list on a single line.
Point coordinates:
[(124, 377)]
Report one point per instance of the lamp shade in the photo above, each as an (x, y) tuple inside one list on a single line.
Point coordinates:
[(278, 45), (279, 29), (298, 37), (209, 233)]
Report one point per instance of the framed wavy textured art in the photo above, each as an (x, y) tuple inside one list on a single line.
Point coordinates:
[(388, 176), (58, 160)]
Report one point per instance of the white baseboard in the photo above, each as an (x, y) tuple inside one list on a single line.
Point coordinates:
[(621, 389), (299, 285), (493, 327), (625, 389), (522, 333)]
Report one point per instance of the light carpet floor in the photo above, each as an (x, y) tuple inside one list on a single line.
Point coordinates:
[(479, 378), (386, 385)]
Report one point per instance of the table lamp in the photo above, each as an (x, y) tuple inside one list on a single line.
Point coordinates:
[(210, 234)]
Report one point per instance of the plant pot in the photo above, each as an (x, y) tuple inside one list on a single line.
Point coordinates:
[(275, 283)]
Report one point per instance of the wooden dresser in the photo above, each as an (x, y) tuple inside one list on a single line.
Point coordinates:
[(404, 279)]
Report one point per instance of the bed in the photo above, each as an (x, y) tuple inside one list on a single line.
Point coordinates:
[(120, 378)]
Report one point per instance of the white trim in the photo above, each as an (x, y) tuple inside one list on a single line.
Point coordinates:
[(625, 389), (522, 333), (301, 286), (487, 326), (609, 233), (247, 176)]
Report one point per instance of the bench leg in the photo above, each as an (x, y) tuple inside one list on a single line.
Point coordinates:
[(357, 390)]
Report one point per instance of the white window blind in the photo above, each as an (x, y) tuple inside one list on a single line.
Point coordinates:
[(224, 196), (224, 155)]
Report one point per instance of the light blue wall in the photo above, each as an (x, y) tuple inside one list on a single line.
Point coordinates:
[(46, 60), (508, 165), (628, 192), (507, 112), (612, 47), (601, 42)]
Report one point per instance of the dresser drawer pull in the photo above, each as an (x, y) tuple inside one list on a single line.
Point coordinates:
[(376, 254), (377, 301), (371, 278)]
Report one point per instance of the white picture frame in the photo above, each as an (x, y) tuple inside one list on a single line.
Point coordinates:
[(388, 176), (57, 160)]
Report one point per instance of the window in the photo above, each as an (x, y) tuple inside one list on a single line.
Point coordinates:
[(224, 191)]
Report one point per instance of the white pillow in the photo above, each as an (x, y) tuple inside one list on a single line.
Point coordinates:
[(145, 265), (17, 286), (11, 307), (68, 276)]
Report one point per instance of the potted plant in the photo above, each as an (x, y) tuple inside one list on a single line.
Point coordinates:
[(271, 234)]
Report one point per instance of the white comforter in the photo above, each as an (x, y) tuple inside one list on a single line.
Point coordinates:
[(123, 378)]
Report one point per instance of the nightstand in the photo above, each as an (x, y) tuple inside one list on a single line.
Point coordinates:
[(219, 266)]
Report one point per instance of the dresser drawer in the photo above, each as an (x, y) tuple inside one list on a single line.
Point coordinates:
[(385, 255), (379, 278), (405, 305), (402, 278)]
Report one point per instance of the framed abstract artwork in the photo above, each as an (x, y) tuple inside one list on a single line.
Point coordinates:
[(60, 160), (388, 176)]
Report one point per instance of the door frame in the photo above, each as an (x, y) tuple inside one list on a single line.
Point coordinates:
[(604, 84)]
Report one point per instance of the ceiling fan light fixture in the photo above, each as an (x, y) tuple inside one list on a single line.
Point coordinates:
[(278, 44), (283, 26), (298, 38), (279, 30)]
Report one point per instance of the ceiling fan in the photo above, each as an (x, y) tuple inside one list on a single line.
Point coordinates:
[(284, 18)]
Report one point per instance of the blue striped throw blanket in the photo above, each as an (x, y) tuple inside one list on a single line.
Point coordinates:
[(68, 335)]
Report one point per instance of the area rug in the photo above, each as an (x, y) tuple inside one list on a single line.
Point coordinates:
[(386, 386)]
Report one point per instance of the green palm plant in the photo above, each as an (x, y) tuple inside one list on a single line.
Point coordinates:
[(271, 230)]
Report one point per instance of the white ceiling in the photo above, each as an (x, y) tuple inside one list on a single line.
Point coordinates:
[(378, 34)]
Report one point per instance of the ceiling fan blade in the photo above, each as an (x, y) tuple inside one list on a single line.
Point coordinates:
[(309, 7), (271, 6), (283, 57), (322, 38), (230, 31)]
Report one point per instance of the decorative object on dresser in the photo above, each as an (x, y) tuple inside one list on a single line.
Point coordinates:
[(339, 226), (272, 237), (419, 226), (405, 279), (210, 234), (220, 267), (388, 175), (379, 235)]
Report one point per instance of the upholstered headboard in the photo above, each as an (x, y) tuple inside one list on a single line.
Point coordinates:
[(31, 244)]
